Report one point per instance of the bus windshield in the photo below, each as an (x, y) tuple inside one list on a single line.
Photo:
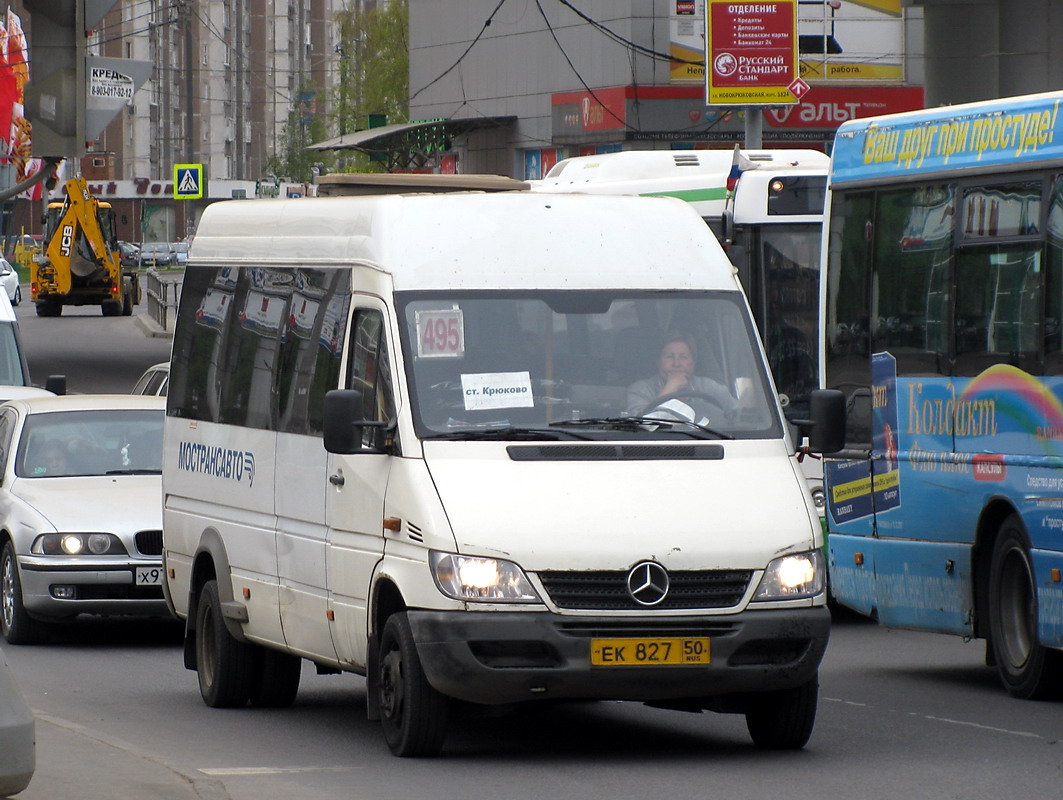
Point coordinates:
[(536, 359)]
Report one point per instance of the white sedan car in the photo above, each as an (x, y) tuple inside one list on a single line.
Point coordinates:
[(80, 510), (9, 280)]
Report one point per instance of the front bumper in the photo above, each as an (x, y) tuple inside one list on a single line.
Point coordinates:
[(108, 589), (507, 657)]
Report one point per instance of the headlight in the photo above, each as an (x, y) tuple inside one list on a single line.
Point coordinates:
[(792, 577), (78, 544), (481, 580)]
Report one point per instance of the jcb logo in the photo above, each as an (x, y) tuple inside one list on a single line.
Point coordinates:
[(67, 242)]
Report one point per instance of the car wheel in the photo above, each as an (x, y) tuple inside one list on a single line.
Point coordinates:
[(1026, 668), (783, 720), (224, 664), (17, 626), (49, 308), (112, 308), (412, 713), (276, 678), (127, 304), (18, 296)]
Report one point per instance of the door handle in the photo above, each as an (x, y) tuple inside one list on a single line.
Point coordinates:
[(336, 479)]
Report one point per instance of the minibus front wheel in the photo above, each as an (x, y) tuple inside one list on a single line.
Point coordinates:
[(412, 713), (223, 664), (783, 720)]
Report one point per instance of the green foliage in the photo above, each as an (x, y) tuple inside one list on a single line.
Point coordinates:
[(374, 72), (292, 160)]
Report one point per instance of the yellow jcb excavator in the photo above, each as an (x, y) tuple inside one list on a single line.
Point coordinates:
[(80, 263)]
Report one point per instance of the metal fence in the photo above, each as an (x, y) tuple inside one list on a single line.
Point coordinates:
[(163, 291)]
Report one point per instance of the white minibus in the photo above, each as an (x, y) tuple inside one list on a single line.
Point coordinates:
[(436, 440)]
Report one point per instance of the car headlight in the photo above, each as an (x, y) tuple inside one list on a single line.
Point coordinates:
[(792, 577), (481, 580), (78, 544)]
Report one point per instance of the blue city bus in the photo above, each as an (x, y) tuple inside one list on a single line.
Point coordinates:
[(942, 322)]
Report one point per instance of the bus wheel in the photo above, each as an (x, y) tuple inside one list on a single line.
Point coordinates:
[(783, 720), (276, 678), (412, 713), (1027, 669), (224, 664)]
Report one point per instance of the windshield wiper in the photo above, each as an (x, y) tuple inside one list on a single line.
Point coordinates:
[(133, 472), (637, 423), (507, 432)]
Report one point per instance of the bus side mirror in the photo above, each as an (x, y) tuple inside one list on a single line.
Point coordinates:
[(827, 434), (825, 427), (344, 422)]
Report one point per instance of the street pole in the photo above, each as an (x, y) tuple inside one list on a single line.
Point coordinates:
[(754, 128)]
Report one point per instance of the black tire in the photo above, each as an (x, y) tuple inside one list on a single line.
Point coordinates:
[(225, 665), (412, 713), (16, 625), (275, 682), (1026, 668), (18, 296), (111, 308), (49, 309), (127, 304), (783, 720)]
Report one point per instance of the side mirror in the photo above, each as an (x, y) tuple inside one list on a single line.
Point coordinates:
[(56, 384), (827, 431), (344, 422), (825, 427)]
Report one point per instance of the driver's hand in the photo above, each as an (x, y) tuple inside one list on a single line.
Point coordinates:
[(674, 382)]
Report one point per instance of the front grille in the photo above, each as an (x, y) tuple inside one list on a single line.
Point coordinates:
[(149, 543), (607, 590)]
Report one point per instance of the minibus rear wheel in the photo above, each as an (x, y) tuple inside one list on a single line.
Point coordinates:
[(783, 720), (223, 664), (412, 713)]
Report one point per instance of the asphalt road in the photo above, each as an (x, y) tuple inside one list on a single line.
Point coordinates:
[(94, 352), (901, 714)]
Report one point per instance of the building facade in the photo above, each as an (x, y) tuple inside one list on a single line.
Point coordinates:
[(569, 78)]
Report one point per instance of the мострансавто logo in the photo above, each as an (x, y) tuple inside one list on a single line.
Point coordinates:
[(218, 462)]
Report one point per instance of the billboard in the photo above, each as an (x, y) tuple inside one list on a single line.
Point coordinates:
[(751, 53)]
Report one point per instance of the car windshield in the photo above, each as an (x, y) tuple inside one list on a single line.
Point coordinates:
[(584, 364), (155, 248), (98, 442)]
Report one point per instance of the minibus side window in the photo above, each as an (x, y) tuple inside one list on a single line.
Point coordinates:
[(369, 369)]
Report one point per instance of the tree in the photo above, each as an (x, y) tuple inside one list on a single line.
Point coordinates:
[(303, 127), (374, 70)]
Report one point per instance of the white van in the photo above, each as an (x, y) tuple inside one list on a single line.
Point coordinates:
[(408, 437)]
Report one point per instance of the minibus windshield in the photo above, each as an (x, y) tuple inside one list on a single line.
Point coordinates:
[(584, 364)]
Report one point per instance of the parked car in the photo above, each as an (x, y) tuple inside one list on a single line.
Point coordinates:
[(80, 510), (181, 250), (130, 254), (154, 380), (157, 254), (18, 757), (9, 280)]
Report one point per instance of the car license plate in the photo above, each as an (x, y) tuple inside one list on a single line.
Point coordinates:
[(649, 652), (148, 576)]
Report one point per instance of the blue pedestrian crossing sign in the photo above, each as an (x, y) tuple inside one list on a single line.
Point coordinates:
[(187, 181)]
